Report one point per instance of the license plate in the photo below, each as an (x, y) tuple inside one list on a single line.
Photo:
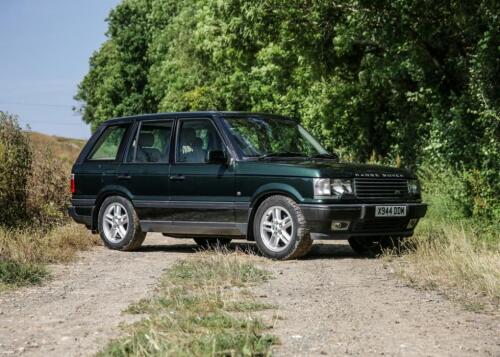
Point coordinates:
[(390, 211)]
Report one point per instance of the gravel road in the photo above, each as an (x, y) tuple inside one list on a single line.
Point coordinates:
[(332, 303), (335, 303)]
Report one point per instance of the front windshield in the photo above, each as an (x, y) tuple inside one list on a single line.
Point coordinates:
[(259, 136)]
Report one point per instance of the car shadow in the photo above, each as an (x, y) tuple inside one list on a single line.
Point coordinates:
[(189, 247), (329, 250), (332, 250)]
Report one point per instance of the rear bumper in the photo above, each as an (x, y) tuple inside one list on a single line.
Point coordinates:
[(361, 218), (81, 212)]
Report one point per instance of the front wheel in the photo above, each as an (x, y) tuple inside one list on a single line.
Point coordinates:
[(280, 229), (119, 225)]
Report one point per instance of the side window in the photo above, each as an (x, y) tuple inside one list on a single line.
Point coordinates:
[(106, 148), (152, 144), (196, 139)]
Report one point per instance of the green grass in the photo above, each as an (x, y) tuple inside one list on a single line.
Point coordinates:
[(201, 308), (14, 274)]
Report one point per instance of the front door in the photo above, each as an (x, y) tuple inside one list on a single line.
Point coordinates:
[(201, 193)]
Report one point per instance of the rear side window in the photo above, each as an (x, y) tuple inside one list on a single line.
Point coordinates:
[(106, 148), (152, 144)]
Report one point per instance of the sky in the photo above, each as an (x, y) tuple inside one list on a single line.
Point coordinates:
[(45, 48)]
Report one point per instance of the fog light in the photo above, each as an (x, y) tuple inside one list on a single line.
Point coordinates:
[(412, 223), (340, 225)]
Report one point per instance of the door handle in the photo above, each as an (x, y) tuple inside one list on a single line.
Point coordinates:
[(177, 177), (124, 177)]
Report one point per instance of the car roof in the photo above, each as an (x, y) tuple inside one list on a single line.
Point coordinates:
[(165, 115)]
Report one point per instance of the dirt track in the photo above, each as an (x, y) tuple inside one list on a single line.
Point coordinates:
[(332, 303)]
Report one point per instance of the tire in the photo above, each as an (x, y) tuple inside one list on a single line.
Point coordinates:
[(375, 246), (287, 242), (212, 243), (114, 207)]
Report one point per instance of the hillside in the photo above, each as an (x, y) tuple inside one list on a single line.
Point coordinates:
[(66, 149)]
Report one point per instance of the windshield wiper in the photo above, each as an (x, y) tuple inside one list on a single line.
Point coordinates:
[(325, 156), (282, 154)]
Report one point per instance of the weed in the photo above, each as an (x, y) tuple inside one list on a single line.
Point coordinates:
[(193, 313), (20, 274)]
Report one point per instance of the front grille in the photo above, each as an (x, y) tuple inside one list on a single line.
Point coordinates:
[(381, 225), (380, 187)]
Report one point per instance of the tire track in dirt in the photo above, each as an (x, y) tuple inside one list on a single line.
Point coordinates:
[(332, 303), (336, 303), (81, 308)]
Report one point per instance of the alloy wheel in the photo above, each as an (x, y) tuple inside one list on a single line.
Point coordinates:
[(276, 228), (115, 222)]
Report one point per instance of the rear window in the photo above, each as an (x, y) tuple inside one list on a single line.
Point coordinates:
[(106, 148)]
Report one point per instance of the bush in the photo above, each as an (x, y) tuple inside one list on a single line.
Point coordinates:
[(458, 195), (33, 180), (15, 168), (48, 189)]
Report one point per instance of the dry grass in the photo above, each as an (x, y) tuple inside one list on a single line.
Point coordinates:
[(455, 260), (202, 308), (25, 252), (65, 149), (30, 246), (38, 231)]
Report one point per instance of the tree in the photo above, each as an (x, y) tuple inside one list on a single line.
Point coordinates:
[(408, 81)]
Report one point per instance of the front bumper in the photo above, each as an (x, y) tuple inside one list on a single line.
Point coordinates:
[(361, 218)]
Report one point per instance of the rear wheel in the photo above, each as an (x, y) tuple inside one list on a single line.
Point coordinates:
[(119, 225), (280, 229), (212, 243)]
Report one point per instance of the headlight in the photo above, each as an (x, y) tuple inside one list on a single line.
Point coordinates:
[(322, 187), (341, 186), (413, 187), (334, 188)]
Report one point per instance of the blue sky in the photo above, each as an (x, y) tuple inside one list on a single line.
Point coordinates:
[(44, 51)]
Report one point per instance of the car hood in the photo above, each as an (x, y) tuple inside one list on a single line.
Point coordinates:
[(323, 168)]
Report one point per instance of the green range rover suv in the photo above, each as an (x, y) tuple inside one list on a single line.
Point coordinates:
[(215, 176)]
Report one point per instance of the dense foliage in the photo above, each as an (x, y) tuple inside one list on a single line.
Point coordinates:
[(15, 165), (33, 182), (415, 82)]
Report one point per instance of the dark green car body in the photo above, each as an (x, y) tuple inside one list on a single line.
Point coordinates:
[(220, 197)]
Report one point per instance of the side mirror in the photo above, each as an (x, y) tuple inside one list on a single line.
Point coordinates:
[(217, 157)]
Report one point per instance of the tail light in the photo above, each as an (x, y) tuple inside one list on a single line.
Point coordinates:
[(72, 184)]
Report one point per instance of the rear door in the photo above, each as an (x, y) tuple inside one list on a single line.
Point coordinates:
[(145, 170), (98, 169)]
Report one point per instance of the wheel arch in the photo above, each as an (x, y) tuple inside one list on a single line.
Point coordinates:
[(262, 194), (101, 196)]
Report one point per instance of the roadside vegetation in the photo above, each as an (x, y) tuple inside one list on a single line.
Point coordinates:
[(452, 253), (34, 227), (203, 307)]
